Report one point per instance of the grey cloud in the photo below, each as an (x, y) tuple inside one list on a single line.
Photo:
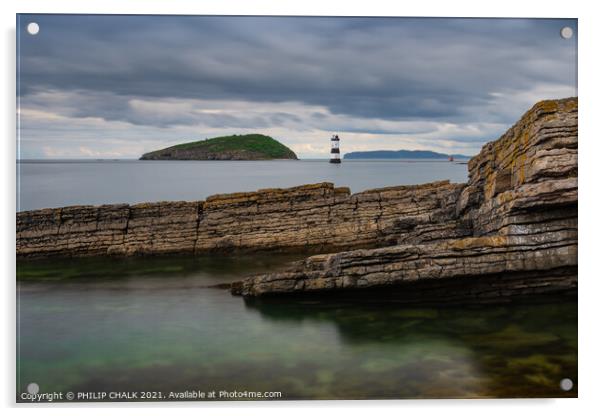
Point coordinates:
[(383, 68), (111, 107), (390, 80)]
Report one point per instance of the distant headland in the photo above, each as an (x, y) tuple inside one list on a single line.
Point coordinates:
[(401, 154), (235, 147)]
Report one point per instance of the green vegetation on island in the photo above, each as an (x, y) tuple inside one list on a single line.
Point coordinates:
[(235, 147)]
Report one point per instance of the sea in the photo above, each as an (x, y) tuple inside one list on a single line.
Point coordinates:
[(159, 326), (57, 183)]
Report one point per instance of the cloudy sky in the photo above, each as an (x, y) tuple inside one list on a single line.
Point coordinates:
[(118, 86)]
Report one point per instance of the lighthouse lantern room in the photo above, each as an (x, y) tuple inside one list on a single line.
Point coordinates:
[(335, 152)]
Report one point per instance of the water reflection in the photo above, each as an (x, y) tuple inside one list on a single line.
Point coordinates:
[(153, 324), (515, 350)]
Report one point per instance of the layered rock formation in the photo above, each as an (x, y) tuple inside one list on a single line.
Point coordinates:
[(310, 217), (511, 229), (518, 216)]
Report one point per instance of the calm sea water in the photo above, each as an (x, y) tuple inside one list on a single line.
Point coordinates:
[(50, 184), (153, 325)]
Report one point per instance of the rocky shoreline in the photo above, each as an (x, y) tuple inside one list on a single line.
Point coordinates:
[(304, 218), (511, 229), (517, 213)]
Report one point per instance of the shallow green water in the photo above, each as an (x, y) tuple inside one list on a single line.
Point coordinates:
[(154, 325)]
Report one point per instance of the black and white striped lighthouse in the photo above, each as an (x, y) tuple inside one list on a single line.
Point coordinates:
[(335, 152)]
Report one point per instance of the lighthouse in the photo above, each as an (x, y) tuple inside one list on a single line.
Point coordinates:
[(335, 152)]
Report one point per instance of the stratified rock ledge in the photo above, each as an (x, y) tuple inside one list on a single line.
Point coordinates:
[(304, 218), (511, 229), (518, 222)]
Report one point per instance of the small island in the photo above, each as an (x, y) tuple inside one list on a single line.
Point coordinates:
[(401, 154), (235, 147)]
